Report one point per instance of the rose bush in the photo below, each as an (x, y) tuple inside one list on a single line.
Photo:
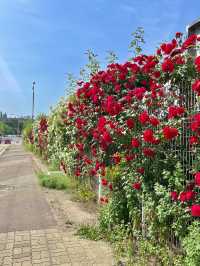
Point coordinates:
[(125, 124)]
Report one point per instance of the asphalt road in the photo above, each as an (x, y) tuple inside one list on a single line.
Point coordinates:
[(22, 203)]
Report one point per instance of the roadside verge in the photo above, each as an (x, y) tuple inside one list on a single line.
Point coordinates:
[(38, 165)]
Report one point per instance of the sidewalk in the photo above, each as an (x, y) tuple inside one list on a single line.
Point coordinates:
[(51, 247), (30, 232)]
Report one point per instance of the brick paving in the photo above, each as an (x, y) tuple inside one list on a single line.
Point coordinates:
[(37, 244), (51, 247)]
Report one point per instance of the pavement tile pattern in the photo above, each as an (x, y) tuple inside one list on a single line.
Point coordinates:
[(51, 247), (29, 235)]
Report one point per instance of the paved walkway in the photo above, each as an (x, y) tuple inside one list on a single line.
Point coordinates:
[(29, 234)]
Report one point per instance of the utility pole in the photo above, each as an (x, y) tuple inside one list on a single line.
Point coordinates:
[(33, 100)]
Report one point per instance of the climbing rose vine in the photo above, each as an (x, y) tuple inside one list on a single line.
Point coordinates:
[(127, 118), (130, 113)]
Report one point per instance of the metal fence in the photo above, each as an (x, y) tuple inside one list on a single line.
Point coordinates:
[(186, 154), (182, 148)]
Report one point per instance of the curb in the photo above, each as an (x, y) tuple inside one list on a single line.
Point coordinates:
[(38, 166)]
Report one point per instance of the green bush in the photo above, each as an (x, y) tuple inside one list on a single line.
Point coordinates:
[(55, 181), (191, 245)]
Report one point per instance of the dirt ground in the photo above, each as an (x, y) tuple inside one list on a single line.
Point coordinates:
[(69, 213)]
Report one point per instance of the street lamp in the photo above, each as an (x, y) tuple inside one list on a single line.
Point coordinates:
[(33, 100)]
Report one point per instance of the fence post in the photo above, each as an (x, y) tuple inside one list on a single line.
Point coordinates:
[(143, 218), (99, 189)]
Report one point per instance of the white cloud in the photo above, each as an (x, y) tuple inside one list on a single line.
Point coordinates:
[(8, 81)]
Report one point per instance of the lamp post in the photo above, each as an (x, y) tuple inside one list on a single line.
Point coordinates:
[(33, 100)]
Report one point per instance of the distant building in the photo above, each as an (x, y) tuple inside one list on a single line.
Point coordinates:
[(194, 28)]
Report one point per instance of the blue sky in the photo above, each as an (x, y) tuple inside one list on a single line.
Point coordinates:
[(42, 40)]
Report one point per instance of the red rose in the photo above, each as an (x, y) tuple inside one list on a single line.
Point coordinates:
[(80, 146), (156, 74), (175, 111), (168, 66), (140, 170), (144, 118), (195, 124), (117, 88), (195, 210), (135, 143), (178, 34), (148, 152), (139, 93), (103, 172), (116, 159), (197, 63), (87, 160), (95, 135), (190, 195), (148, 136), (106, 137), (182, 196), (154, 121), (136, 186), (77, 172), (93, 172), (110, 186), (191, 40), (111, 106), (170, 132), (101, 123), (104, 199), (130, 157), (187, 196), (197, 179), (168, 47), (193, 140), (104, 182), (97, 166), (158, 52), (178, 60), (196, 86), (130, 123), (174, 195)]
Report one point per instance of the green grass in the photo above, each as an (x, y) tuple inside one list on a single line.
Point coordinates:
[(84, 193), (56, 181), (89, 232)]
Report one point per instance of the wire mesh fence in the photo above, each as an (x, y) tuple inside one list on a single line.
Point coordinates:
[(185, 153)]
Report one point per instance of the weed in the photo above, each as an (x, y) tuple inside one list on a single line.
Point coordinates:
[(89, 232), (55, 180), (84, 193)]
